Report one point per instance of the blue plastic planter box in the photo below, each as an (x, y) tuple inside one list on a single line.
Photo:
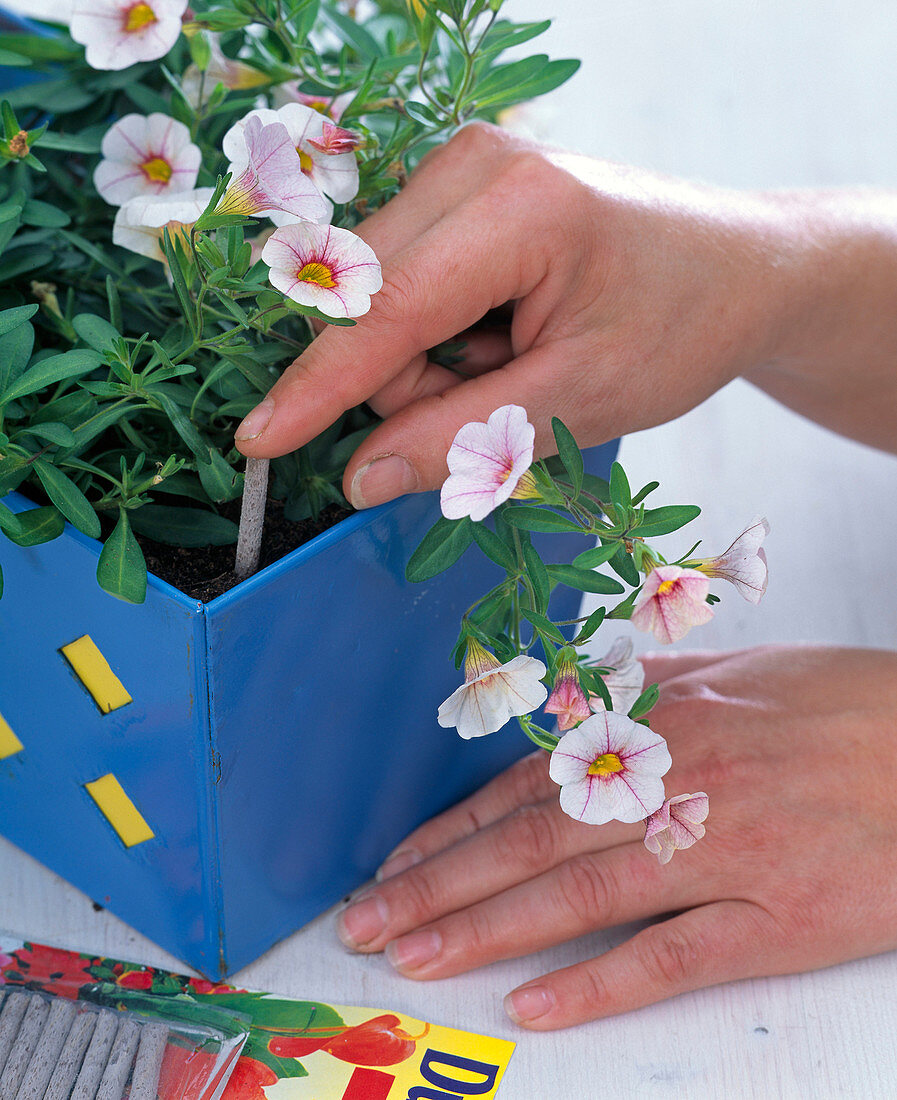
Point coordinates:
[(278, 741)]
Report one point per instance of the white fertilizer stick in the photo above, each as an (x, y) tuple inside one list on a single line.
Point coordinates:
[(145, 1082), (252, 517), (10, 1018), (120, 1061), (96, 1057), (70, 1059), (23, 1047), (48, 1050)]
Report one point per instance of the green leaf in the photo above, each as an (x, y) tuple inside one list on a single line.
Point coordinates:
[(440, 547), (219, 479), (38, 525), (528, 518), (569, 453), (598, 555), (493, 547), (10, 524), (362, 41), (39, 47), (69, 143), (545, 78), (13, 471), (661, 521), (57, 368), (623, 565), (12, 318), (644, 491), (35, 212), (538, 576), (121, 570), (68, 498), (420, 112), (590, 626), (543, 625), (176, 526), (15, 351), (95, 331), (23, 260), (54, 97), (182, 425), (53, 432), (586, 580), (645, 701), (620, 493)]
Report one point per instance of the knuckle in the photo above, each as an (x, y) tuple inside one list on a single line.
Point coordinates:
[(592, 993), (587, 891), (529, 839), (476, 137), (418, 895), (479, 934), (669, 957), (528, 778), (398, 296)]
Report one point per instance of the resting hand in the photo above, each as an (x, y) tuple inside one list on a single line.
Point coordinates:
[(796, 749)]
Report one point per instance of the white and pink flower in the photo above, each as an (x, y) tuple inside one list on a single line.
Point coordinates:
[(567, 699), (139, 223), (146, 155), (119, 33), (625, 681), (676, 825), (488, 464), (331, 106), (743, 564), (671, 602), (322, 266), (493, 693), (268, 178), (334, 174), (610, 768)]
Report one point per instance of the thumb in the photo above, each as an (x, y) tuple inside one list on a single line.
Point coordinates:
[(407, 453)]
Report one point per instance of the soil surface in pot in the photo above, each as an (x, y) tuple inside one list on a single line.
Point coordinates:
[(204, 572)]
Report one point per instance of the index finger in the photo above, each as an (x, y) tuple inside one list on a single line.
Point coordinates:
[(432, 290)]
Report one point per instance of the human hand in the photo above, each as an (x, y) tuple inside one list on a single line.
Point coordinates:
[(634, 297), (795, 747)]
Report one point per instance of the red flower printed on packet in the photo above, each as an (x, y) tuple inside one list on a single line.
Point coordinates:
[(51, 969)]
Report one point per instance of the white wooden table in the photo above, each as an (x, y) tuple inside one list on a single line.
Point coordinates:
[(750, 93)]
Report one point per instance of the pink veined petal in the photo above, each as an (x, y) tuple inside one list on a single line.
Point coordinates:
[(336, 175), (463, 495), (577, 799), (476, 449), (690, 807)]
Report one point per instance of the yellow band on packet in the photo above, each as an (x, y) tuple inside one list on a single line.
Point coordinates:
[(296, 1050)]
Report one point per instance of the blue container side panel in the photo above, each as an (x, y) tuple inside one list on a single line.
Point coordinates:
[(324, 685), (152, 745)]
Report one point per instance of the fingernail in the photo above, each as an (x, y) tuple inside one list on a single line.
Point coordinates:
[(398, 863), (412, 951), (362, 921), (528, 1003), (382, 479), (256, 421)]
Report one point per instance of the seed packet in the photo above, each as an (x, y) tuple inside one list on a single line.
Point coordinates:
[(295, 1049)]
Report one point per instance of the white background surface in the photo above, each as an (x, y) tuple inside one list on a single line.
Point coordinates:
[(753, 93)]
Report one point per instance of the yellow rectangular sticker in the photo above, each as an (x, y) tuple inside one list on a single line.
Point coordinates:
[(9, 743), (93, 670), (119, 810)]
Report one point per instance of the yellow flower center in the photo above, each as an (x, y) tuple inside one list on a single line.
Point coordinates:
[(139, 16), (316, 273), (607, 764), (664, 587), (156, 169), (305, 161)]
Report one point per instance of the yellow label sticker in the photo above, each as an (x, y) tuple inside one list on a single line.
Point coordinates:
[(119, 810), (93, 670), (9, 743)]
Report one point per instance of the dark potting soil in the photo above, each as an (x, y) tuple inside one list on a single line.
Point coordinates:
[(204, 572)]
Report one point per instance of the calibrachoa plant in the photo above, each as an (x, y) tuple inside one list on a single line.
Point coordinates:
[(607, 761), (179, 190)]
